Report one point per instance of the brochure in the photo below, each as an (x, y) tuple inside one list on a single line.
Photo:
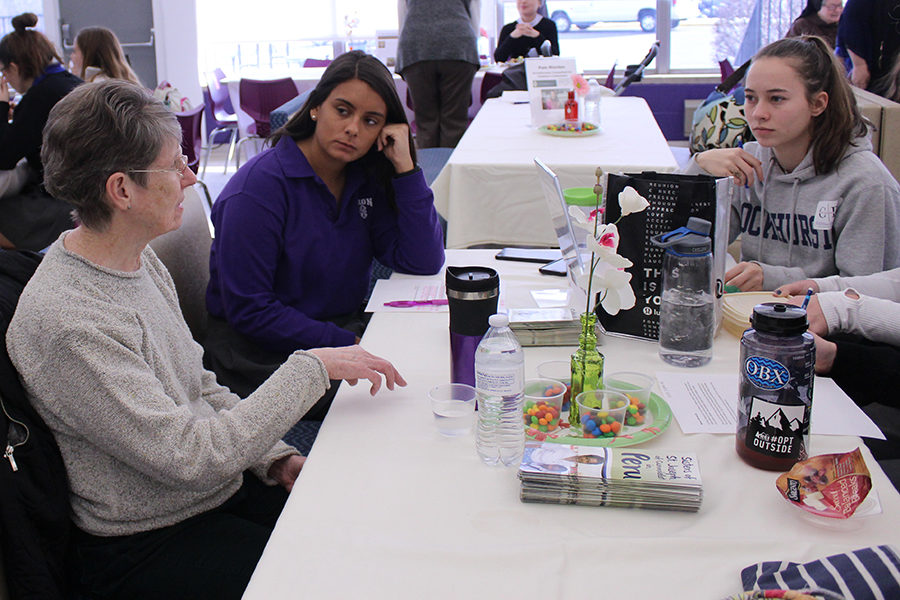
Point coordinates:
[(549, 81)]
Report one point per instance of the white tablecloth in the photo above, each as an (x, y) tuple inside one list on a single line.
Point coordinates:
[(489, 190), (387, 508)]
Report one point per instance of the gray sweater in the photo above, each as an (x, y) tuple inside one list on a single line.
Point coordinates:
[(875, 315), (800, 225), (147, 435), (437, 30)]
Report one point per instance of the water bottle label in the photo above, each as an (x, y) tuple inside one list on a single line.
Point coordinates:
[(501, 383), (766, 374), (776, 429)]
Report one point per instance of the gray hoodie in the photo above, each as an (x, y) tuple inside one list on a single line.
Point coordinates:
[(800, 225)]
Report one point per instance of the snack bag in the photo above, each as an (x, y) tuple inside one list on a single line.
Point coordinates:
[(829, 485)]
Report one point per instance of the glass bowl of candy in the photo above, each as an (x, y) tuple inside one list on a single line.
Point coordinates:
[(636, 386), (542, 407), (602, 413)]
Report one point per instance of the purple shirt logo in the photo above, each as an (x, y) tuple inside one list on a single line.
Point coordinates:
[(364, 204)]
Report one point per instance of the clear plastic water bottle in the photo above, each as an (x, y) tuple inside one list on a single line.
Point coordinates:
[(687, 315), (500, 382), (592, 103)]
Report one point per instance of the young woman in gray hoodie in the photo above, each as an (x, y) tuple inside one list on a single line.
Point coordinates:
[(810, 197)]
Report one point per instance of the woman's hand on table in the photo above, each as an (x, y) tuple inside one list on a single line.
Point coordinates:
[(352, 363), (731, 162), (797, 292), (394, 142), (286, 470), (748, 276)]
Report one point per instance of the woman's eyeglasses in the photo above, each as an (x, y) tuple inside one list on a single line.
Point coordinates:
[(180, 165)]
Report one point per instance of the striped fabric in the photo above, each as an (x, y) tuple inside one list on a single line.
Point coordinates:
[(871, 573)]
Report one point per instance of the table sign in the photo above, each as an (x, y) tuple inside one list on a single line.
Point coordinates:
[(549, 81)]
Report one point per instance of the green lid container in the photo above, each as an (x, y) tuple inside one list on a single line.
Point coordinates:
[(580, 196)]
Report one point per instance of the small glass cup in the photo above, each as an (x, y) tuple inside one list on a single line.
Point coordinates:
[(453, 405), (636, 386), (543, 405), (560, 370), (602, 413)]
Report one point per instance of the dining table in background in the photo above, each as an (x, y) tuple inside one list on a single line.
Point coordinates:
[(387, 508), (489, 190)]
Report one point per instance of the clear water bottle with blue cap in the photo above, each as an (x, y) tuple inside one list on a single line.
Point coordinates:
[(687, 319)]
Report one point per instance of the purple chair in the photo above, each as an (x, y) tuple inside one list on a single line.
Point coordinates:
[(222, 117), (258, 99), (316, 62), (192, 140)]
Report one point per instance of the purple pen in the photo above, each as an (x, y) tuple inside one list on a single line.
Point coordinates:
[(809, 294)]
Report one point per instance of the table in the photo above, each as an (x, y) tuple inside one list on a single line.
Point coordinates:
[(489, 191), (387, 508)]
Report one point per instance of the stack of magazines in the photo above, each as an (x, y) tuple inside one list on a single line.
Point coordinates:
[(545, 326), (619, 477)]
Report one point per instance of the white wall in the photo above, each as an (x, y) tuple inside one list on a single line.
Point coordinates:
[(175, 23)]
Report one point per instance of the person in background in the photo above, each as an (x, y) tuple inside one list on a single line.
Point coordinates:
[(869, 38), (891, 81), (529, 31), (437, 56), (856, 325), (298, 225), (810, 197), (820, 17), (29, 217), (98, 56), (175, 482)]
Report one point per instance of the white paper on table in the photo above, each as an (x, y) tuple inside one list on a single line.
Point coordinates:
[(399, 288), (705, 403), (514, 96), (551, 298)]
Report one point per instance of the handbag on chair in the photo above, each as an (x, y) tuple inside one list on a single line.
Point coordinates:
[(720, 121)]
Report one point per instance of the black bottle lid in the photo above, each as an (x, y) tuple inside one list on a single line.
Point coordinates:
[(778, 318)]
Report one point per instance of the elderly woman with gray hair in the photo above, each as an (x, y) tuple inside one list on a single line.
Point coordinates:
[(175, 483)]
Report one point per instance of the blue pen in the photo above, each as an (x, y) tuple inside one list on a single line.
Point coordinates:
[(809, 294)]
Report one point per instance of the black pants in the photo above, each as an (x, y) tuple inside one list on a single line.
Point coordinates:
[(441, 92), (242, 366), (211, 555)]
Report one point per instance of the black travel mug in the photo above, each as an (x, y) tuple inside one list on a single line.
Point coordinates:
[(472, 294)]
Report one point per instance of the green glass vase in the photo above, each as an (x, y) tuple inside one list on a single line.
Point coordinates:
[(587, 365)]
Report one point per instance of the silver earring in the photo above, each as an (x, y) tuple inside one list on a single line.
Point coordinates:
[(312, 116)]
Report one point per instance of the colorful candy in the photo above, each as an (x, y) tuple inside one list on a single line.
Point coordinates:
[(541, 416), (600, 424), (635, 413), (574, 128)]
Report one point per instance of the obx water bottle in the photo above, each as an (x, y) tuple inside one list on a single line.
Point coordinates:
[(687, 320), (500, 383)]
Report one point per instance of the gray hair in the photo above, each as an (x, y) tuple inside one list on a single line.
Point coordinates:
[(99, 129)]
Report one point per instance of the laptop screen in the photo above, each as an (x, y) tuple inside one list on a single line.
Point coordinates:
[(559, 214)]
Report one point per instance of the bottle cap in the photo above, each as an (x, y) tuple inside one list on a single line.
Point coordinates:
[(580, 196), (499, 320), (778, 318), (691, 240)]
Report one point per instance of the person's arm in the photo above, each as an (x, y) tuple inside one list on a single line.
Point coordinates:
[(859, 74), (23, 135), (879, 285), (866, 229), (410, 239), (875, 319), (474, 8), (505, 43), (248, 247), (550, 32), (401, 14)]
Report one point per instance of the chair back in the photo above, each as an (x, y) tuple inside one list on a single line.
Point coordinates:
[(489, 81), (260, 97), (191, 137), (185, 252), (316, 62), (218, 93)]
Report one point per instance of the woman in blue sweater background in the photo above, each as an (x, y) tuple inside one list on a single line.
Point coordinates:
[(298, 226)]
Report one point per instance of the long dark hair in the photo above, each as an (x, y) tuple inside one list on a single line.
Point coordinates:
[(29, 49), (812, 8), (841, 122), (368, 69)]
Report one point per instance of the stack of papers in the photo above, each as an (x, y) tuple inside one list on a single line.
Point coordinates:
[(617, 477), (545, 326)]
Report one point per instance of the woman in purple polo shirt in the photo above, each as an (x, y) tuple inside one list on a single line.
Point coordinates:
[(298, 226)]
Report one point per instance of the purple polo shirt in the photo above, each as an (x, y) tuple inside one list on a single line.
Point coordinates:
[(286, 256)]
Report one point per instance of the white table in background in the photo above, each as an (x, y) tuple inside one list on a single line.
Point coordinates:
[(386, 508), (489, 190)]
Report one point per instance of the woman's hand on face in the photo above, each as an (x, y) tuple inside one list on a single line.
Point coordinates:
[(731, 162), (352, 363), (748, 276), (394, 142), (4, 90)]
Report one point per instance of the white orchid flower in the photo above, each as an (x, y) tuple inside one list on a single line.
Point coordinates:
[(614, 285), (631, 202), (579, 220), (604, 246)]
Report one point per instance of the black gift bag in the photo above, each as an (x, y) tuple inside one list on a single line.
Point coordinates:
[(673, 198)]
